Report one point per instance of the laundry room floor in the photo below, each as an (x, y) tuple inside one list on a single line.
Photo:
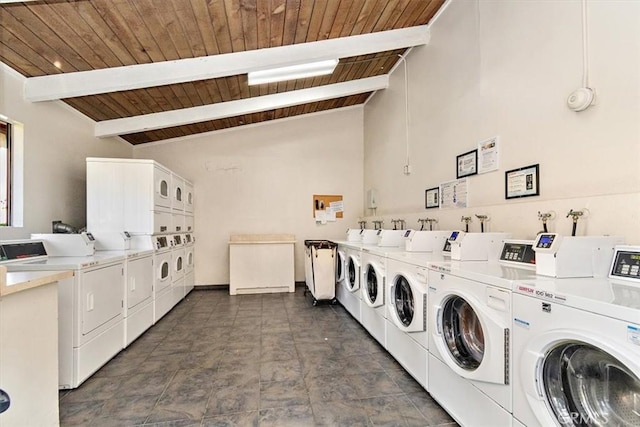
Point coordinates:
[(252, 360)]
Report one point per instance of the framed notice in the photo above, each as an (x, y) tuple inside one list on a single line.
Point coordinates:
[(432, 198), (467, 164), (488, 155), (522, 182)]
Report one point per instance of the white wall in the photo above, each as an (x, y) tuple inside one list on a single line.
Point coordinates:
[(506, 68), (57, 140), (262, 178)]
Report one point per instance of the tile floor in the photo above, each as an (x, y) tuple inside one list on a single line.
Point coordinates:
[(252, 360)]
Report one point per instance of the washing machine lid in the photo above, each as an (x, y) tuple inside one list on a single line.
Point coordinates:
[(585, 385), (421, 259), (382, 250), (490, 272), (615, 299)]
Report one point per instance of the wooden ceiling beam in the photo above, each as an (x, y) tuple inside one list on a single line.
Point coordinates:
[(93, 82), (228, 109)]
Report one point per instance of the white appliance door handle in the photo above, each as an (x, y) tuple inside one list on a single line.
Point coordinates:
[(132, 286), (90, 301)]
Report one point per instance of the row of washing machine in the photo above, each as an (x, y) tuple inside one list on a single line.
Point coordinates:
[(538, 333)]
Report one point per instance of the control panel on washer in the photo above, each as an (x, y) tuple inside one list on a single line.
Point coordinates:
[(626, 263)]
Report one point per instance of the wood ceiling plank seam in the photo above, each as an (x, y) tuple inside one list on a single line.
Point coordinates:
[(186, 21), (388, 8), (40, 47), (277, 23), (304, 20), (88, 109), (223, 41), (83, 39), (209, 87), (131, 103), (151, 30), (205, 26), (110, 14), (430, 11), (94, 20), (340, 19), (234, 20), (397, 12), (315, 22), (97, 108), (249, 18), (50, 36), (409, 18), (374, 15), (350, 20), (422, 15), (234, 88), (194, 95), (328, 19), (158, 98), (372, 66), (17, 49), (361, 20), (263, 24), (182, 98), (292, 14)]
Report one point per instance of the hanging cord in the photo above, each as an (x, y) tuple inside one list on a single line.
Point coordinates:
[(406, 111), (585, 46)]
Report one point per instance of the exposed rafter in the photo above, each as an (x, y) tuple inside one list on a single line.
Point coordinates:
[(222, 110), (75, 84)]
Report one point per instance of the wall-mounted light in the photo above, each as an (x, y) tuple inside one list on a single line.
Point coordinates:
[(300, 71)]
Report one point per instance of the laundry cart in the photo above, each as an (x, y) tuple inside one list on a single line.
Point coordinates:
[(320, 270)]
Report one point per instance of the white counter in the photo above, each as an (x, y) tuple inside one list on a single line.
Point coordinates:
[(261, 263), (29, 346)]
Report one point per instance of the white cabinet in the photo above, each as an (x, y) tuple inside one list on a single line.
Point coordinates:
[(29, 355), (134, 195)]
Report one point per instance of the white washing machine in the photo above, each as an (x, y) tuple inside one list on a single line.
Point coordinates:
[(341, 267), (576, 346), (351, 296), (374, 290), (469, 314), (407, 332)]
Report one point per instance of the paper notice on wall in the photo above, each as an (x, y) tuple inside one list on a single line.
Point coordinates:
[(337, 206), (488, 155), (453, 194)]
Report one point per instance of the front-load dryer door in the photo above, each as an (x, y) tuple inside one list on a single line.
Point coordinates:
[(584, 385), (340, 266), (353, 274), (407, 304), (373, 286), (472, 342)]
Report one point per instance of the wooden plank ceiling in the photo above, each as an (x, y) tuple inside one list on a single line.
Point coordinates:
[(49, 37)]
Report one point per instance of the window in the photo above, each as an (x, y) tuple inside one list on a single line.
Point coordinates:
[(11, 172), (5, 172)]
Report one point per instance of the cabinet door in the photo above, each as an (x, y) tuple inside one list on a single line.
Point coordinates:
[(101, 296), (139, 280)]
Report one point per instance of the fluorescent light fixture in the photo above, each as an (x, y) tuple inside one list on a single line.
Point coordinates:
[(292, 72)]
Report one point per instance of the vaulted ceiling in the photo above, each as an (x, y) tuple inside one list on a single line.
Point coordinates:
[(151, 70)]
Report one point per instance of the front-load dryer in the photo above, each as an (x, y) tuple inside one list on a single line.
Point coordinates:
[(576, 346)]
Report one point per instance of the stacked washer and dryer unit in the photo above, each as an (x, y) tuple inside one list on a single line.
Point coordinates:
[(154, 206)]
